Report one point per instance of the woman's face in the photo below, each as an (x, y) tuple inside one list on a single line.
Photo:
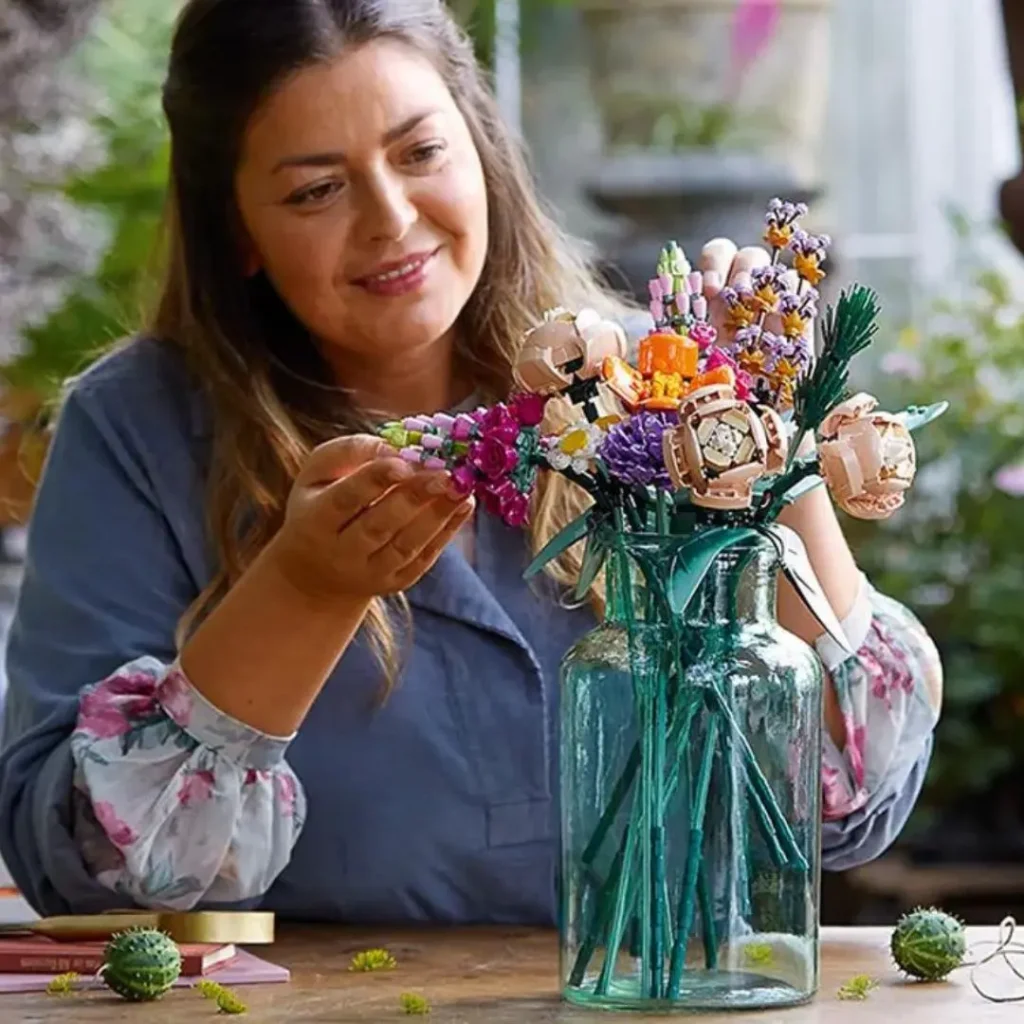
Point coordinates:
[(363, 199)]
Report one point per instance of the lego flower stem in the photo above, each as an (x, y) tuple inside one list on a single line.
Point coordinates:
[(846, 329), (694, 856), (668, 718)]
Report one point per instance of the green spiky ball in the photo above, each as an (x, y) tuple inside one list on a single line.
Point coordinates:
[(141, 964), (928, 944)]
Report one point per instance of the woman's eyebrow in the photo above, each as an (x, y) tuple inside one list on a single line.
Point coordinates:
[(331, 158)]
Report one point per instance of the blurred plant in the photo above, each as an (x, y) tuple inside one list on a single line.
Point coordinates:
[(480, 20), (121, 62), (668, 122), (955, 554)]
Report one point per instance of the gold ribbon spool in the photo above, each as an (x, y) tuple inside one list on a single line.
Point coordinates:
[(244, 928), (213, 927)]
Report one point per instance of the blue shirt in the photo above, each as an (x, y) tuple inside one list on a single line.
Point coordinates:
[(438, 804)]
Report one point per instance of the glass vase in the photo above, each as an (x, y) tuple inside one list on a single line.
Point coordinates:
[(690, 791)]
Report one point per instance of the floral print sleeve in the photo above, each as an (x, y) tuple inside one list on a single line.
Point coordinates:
[(889, 693), (177, 803)]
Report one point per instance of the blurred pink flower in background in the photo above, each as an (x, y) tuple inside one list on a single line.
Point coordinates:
[(902, 364), (753, 26), (1010, 480)]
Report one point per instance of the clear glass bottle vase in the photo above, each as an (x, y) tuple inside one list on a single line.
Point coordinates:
[(690, 792)]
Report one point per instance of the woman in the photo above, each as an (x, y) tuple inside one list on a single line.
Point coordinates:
[(196, 667)]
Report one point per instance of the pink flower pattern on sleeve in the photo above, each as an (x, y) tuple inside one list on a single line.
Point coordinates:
[(886, 693), (176, 802)]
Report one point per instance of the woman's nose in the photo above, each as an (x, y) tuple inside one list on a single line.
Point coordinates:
[(389, 211)]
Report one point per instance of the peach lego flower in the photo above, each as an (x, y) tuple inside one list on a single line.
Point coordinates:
[(720, 448), (867, 458)]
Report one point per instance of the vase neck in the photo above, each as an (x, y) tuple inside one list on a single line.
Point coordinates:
[(740, 587)]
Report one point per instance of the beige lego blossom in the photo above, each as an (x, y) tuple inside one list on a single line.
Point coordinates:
[(564, 345), (867, 458), (721, 447)]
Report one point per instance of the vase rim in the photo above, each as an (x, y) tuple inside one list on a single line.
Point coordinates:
[(650, 537)]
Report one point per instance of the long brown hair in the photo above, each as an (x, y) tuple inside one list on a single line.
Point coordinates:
[(271, 397)]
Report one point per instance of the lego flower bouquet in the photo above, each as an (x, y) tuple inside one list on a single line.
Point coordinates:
[(690, 720)]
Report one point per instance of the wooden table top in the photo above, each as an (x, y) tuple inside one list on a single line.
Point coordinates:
[(502, 976)]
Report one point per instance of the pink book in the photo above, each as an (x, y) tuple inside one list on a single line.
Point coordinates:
[(244, 969)]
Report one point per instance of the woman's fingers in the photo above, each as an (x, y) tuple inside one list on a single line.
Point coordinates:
[(716, 261), (409, 539), (340, 457), (347, 499), (376, 527), (747, 260), (408, 574)]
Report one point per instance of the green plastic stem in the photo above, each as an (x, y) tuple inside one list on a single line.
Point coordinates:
[(694, 856)]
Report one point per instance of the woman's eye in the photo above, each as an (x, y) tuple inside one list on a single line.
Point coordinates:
[(314, 193), (426, 153)]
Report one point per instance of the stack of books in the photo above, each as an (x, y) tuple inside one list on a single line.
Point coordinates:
[(28, 963), (37, 954)]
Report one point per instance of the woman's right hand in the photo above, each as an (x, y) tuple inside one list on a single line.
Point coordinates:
[(362, 523)]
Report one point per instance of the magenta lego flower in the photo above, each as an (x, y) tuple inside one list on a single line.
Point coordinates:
[(704, 334), (529, 409), (504, 499), (744, 386), (492, 457), (463, 427), (463, 479), (498, 423), (515, 509)]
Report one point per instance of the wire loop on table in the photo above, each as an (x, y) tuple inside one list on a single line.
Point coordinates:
[(1005, 949)]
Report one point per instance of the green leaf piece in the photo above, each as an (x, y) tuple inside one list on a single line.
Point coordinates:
[(797, 568), (693, 560), (593, 561), (562, 541), (805, 486), (916, 416)]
